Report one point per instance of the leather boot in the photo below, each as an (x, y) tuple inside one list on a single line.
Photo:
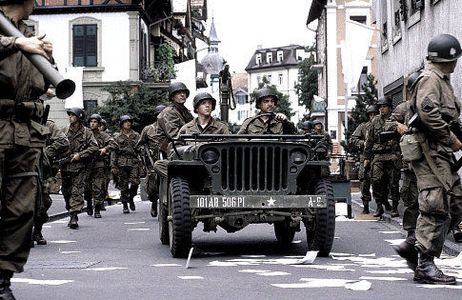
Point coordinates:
[(394, 211), (428, 272), (457, 233), (366, 207), (73, 221), (5, 283), (379, 211), (89, 208), (133, 192), (154, 208), (408, 251), (37, 235), (102, 207), (387, 205), (125, 210), (97, 211)]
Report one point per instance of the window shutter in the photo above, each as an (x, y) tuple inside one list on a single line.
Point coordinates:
[(91, 46), (78, 45)]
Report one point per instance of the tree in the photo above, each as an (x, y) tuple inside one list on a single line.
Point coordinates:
[(131, 99), (307, 87), (283, 102), (359, 113)]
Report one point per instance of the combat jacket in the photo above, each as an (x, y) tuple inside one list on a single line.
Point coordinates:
[(401, 114), (213, 127), (126, 153), (21, 85), (104, 140), (56, 145), (82, 141), (170, 120), (437, 105), (373, 149), (358, 138), (259, 126), (152, 138)]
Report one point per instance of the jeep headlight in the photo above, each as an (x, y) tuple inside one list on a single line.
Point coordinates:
[(298, 156), (210, 156)]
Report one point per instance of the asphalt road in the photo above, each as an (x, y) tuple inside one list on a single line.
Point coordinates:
[(120, 257)]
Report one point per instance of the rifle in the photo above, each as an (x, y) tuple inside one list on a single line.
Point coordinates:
[(46, 112), (63, 161), (147, 154)]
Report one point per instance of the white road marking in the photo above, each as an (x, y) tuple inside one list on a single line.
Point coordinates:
[(134, 223), (296, 242), (253, 256), (70, 252), (395, 242), (166, 265), (362, 285), (62, 242), (315, 283), (275, 273), (64, 221), (383, 278), (327, 267), (138, 229), (217, 263), (106, 269), (345, 219), (367, 255), (190, 277), (431, 286), (390, 232), (40, 282), (253, 271), (396, 271), (46, 226)]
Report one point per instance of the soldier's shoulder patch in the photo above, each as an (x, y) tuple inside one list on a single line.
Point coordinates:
[(427, 105)]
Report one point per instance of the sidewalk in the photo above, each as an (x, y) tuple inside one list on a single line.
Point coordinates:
[(450, 246)]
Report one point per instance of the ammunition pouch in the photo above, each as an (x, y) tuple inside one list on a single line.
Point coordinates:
[(411, 148), (23, 111)]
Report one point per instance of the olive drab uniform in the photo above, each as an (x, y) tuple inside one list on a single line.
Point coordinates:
[(22, 139), (358, 139), (440, 208), (256, 125), (74, 174), (385, 160), (408, 191), (325, 142), (127, 163), (151, 138), (97, 175), (169, 121), (56, 144), (213, 127)]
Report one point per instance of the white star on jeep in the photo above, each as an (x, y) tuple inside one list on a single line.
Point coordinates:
[(271, 201)]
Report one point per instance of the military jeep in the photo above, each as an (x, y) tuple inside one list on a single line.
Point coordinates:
[(235, 180)]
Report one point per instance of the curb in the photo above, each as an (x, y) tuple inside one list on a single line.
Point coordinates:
[(449, 247)]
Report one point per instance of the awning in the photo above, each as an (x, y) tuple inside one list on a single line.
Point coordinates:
[(317, 6)]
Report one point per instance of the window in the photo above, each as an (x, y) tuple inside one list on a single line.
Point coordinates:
[(241, 99), (258, 59), (359, 19), (280, 55), (258, 79), (414, 7), (396, 21), (84, 45), (269, 57), (280, 79), (268, 77), (89, 106), (384, 17)]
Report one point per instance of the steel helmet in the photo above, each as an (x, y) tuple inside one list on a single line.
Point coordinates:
[(372, 109), (412, 79), (444, 48), (125, 118), (158, 109), (307, 125), (316, 122), (96, 117), (385, 101), (76, 111), (265, 92), (203, 96), (176, 87)]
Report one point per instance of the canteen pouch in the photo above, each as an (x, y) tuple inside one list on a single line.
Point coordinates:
[(410, 148)]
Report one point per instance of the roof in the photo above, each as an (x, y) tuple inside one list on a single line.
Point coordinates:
[(317, 6), (213, 37), (289, 57)]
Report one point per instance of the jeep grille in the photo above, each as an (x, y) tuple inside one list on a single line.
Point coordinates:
[(254, 168)]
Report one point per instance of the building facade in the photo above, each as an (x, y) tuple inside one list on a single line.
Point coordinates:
[(331, 33), (279, 65), (406, 28)]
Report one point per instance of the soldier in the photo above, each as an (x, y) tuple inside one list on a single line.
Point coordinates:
[(174, 115), (21, 139), (82, 147), (440, 191), (384, 158), (126, 164), (96, 171), (107, 167), (325, 142), (269, 122), (204, 105), (149, 143), (307, 126), (358, 139), (56, 144), (170, 120)]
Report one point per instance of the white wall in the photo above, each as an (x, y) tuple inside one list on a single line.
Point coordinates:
[(114, 34)]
